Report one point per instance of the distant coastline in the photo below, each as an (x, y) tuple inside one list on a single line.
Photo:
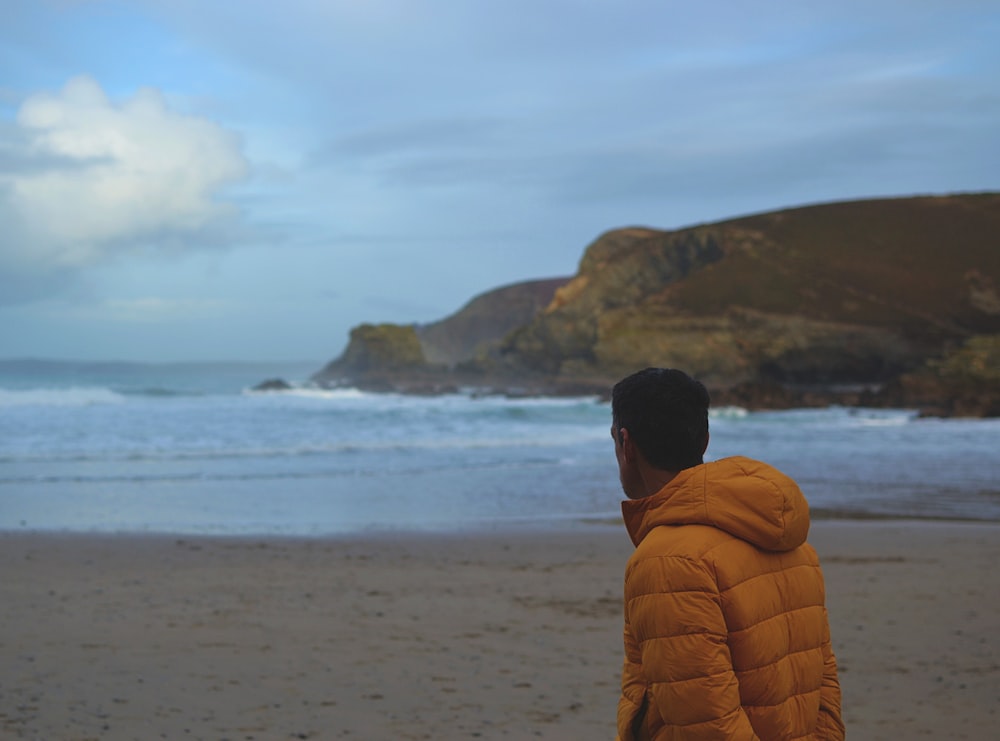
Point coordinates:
[(852, 303)]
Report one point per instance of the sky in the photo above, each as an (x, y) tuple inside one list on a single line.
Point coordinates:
[(186, 180)]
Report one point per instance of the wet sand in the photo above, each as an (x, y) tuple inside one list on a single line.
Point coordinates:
[(483, 636)]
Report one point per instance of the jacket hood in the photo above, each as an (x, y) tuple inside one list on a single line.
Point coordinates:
[(746, 498)]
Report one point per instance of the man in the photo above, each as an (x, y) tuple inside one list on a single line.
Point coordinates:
[(726, 632)]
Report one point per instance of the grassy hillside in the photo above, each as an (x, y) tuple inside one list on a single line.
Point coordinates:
[(844, 292), (897, 294), (922, 266)]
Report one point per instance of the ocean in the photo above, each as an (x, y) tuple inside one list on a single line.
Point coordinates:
[(190, 449)]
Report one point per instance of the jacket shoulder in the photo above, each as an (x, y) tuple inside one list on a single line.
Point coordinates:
[(691, 541), (708, 553), (673, 558)]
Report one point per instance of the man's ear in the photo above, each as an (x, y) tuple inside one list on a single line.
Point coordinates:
[(705, 446), (627, 446)]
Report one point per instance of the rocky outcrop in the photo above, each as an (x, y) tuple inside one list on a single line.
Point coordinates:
[(273, 384), (477, 328), (444, 355), (377, 348), (888, 301), (964, 382)]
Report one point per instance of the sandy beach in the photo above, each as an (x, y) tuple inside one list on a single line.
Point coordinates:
[(482, 636)]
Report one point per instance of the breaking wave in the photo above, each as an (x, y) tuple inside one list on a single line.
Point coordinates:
[(77, 396)]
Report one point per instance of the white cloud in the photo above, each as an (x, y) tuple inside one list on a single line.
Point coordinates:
[(96, 179)]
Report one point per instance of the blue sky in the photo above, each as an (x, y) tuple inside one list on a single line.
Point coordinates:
[(248, 180)]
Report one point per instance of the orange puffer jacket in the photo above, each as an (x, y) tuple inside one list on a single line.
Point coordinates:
[(726, 631)]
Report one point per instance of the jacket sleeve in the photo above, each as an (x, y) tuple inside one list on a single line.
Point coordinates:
[(674, 611), (630, 704), (831, 725)]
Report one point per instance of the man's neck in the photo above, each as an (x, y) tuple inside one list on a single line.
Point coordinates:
[(654, 479)]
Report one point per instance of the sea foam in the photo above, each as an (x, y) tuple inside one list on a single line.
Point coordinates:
[(77, 396)]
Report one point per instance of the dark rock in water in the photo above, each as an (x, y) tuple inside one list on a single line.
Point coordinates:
[(273, 384)]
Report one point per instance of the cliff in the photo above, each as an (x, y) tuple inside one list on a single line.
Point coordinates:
[(479, 326), (877, 301), (436, 357)]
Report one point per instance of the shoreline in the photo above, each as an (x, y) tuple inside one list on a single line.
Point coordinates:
[(424, 635), (569, 527), (926, 395)]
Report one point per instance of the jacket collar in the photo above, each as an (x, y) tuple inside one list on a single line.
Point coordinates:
[(746, 498)]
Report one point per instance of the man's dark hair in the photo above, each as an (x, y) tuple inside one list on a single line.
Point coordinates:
[(666, 414)]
